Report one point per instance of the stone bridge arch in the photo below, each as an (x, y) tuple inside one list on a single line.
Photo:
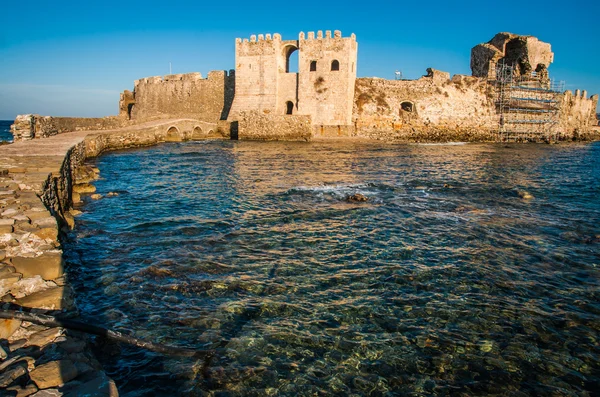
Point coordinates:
[(173, 134)]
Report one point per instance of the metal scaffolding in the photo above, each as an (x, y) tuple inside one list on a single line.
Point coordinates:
[(528, 106)]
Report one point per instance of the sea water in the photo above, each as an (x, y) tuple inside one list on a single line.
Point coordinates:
[(471, 269), (5, 134)]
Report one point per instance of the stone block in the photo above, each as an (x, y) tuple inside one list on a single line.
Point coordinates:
[(8, 327), (30, 285), (6, 229), (48, 221), (34, 215), (47, 233), (43, 338), (49, 265), (58, 298), (10, 212), (54, 373), (7, 282), (7, 222)]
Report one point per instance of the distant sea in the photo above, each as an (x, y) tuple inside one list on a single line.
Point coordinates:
[(5, 135)]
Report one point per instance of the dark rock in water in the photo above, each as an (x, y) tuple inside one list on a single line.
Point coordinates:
[(357, 198)]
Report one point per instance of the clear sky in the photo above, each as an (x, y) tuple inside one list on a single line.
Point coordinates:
[(66, 58)]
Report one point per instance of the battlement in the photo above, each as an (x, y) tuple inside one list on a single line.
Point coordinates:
[(195, 76), (337, 35), (261, 37)]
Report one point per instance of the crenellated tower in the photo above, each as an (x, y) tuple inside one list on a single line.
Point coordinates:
[(327, 74), (323, 86)]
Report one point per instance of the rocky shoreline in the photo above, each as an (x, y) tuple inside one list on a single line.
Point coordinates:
[(39, 182), (38, 360)]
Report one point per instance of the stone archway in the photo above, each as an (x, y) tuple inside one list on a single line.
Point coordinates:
[(289, 107), (197, 133), (290, 52), (173, 135)]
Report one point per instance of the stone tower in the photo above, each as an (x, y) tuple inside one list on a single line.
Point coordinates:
[(323, 87), (526, 53)]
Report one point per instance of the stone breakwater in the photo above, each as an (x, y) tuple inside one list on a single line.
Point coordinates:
[(39, 181)]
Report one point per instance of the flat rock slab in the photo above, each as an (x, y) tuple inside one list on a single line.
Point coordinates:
[(35, 215), (54, 373), (42, 338), (8, 327), (6, 229), (49, 265), (58, 298), (47, 221), (47, 233)]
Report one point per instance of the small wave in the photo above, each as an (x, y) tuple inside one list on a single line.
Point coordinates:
[(439, 144), (330, 188)]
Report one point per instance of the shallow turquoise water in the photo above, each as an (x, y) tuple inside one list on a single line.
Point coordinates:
[(446, 282)]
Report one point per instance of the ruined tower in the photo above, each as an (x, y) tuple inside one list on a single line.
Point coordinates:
[(530, 56), (323, 86)]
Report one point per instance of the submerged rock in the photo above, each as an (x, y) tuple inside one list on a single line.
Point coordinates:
[(525, 195), (357, 198)]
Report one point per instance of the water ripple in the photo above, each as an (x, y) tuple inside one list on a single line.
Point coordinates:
[(446, 282)]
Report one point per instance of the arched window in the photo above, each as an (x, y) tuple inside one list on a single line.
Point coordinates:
[(407, 106), (291, 59), (313, 66), (335, 65), (289, 107)]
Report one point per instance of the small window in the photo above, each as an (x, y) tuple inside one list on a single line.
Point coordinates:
[(313, 66), (407, 106), (335, 65), (289, 107)]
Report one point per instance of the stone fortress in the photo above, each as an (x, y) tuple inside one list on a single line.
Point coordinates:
[(509, 96)]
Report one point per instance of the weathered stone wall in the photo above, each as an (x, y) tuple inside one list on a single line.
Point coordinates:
[(30, 126), (578, 116), (433, 108), (255, 125), (183, 96), (126, 102)]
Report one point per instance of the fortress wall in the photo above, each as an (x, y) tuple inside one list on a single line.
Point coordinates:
[(183, 96), (287, 91), (578, 115), (30, 126), (256, 125), (430, 108)]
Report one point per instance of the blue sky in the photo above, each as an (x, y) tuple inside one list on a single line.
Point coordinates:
[(68, 58)]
